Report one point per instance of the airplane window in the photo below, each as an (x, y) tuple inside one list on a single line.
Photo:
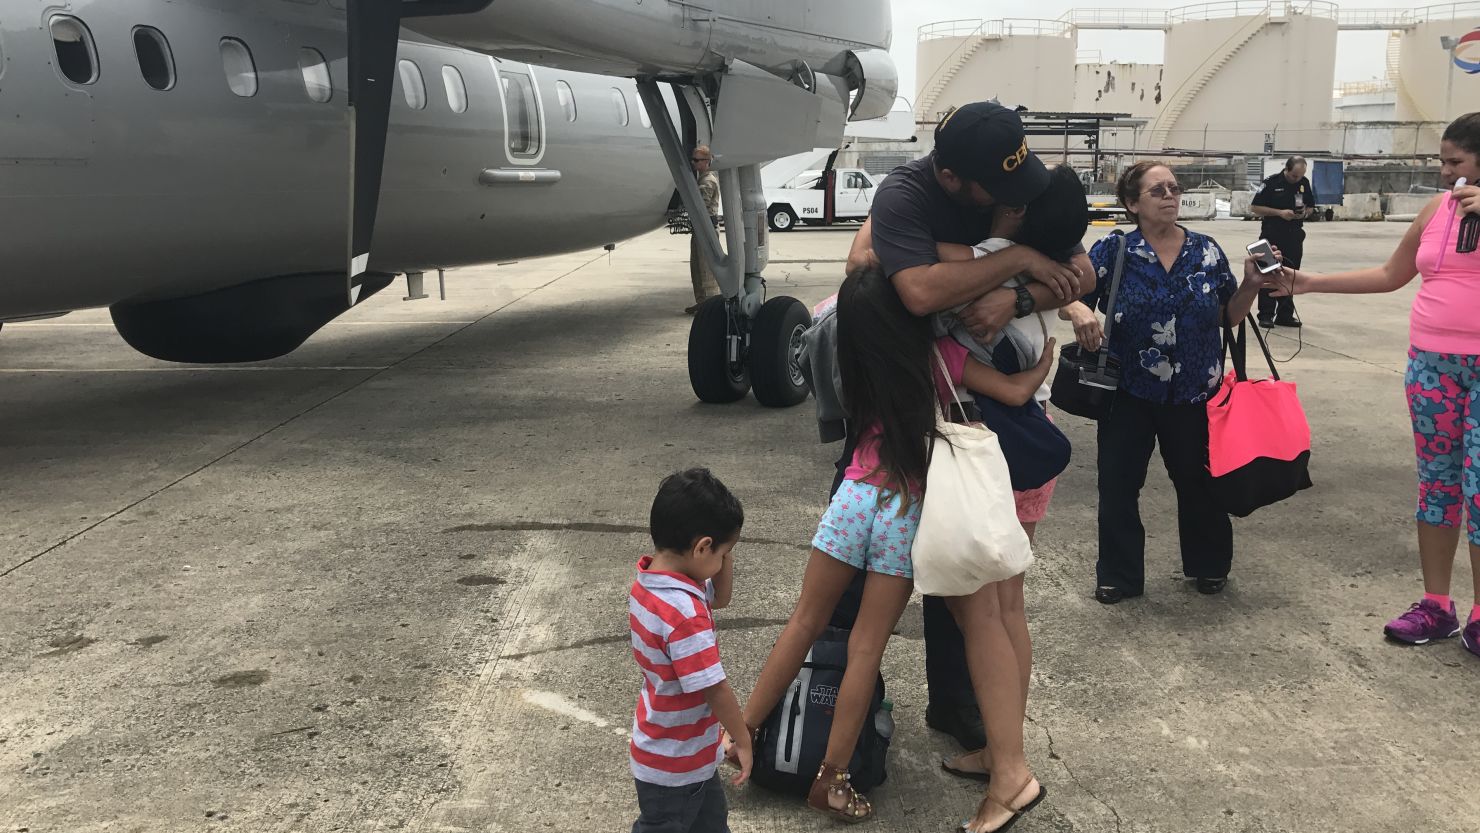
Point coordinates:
[(316, 80), (241, 70), (567, 98), (642, 113), (523, 113), (457, 91), (623, 116), (413, 85), (155, 60), (77, 58)]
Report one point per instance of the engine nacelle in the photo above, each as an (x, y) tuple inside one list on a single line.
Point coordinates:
[(845, 38), (249, 323)]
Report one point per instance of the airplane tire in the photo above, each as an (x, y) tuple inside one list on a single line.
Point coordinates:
[(711, 374), (775, 346), (781, 218)]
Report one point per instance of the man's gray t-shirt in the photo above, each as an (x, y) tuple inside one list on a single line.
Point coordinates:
[(912, 213)]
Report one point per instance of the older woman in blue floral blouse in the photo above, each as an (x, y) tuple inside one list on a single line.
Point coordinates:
[(1176, 289)]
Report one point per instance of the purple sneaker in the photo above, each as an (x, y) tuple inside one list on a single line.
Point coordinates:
[(1470, 638), (1423, 623)]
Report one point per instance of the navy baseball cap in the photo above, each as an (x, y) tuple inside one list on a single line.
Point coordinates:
[(985, 143)]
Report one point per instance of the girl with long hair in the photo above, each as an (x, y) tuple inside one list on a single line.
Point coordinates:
[(886, 358)]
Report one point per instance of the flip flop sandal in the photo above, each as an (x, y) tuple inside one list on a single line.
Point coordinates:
[(970, 775), (1017, 814)]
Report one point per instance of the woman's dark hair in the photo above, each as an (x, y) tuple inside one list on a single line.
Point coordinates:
[(884, 359), (1056, 221), (1465, 132), (1128, 189)]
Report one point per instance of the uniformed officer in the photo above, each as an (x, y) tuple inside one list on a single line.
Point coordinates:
[(1284, 201), (705, 285)]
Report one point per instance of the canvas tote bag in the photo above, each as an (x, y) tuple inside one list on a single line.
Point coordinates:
[(969, 533)]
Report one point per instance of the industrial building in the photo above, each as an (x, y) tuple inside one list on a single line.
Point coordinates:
[(1237, 77)]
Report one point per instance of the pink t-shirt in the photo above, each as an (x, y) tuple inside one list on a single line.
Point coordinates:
[(864, 468), (1446, 312)]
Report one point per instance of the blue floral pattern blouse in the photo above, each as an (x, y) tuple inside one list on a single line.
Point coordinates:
[(1168, 325)]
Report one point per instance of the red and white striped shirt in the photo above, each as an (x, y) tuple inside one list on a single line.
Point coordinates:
[(675, 735)]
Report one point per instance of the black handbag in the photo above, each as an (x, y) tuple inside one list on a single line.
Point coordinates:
[(1085, 383), (1035, 449)]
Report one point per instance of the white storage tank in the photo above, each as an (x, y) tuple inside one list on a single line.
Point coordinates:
[(1236, 71), (1429, 86), (1114, 87), (1028, 62)]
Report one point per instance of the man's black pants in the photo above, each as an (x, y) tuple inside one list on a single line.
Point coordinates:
[(1126, 438), (947, 679), (1291, 243)]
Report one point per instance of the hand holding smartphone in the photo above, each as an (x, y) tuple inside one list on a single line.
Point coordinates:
[(1264, 256)]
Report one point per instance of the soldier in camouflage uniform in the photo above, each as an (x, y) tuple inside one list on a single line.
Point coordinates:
[(705, 286)]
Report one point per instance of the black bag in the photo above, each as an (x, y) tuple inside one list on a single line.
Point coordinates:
[(1085, 383), (790, 744), (1035, 449)]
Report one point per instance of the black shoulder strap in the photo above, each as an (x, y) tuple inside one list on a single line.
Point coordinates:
[(1114, 294), (1235, 347)]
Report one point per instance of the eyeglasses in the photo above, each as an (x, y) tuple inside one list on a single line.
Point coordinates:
[(1161, 191), (700, 159)]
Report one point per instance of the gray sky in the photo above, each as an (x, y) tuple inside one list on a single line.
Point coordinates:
[(1360, 56)]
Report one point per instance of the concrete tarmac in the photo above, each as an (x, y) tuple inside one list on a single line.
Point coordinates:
[(380, 584)]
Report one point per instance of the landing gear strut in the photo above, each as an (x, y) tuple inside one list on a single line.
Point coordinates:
[(739, 341)]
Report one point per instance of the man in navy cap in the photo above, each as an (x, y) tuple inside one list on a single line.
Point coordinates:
[(981, 161)]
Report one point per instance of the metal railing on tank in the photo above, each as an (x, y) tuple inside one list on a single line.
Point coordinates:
[(1447, 11), (1116, 18), (1375, 18), (995, 28), (1254, 8), (1349, 88)]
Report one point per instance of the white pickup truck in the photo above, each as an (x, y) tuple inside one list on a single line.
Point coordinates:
[(802, 199)]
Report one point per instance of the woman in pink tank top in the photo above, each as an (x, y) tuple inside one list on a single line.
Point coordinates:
[(1443, 381)]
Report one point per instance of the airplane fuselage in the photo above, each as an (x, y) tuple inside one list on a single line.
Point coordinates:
[(112, 190)]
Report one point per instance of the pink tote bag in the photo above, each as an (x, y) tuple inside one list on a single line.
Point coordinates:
[(1258, 437)]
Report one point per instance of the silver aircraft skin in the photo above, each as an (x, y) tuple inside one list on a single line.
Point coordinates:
[(199, 167), (114, 191)]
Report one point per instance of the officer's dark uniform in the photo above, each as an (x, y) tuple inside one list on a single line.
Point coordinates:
[(1287, 235)]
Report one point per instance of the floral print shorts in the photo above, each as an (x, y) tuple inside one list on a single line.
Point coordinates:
[(865, 528)]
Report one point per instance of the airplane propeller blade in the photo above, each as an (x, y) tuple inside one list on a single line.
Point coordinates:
[(374, 35)]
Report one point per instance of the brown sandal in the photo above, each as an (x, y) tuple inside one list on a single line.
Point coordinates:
[(1014, 815), (833, 781)]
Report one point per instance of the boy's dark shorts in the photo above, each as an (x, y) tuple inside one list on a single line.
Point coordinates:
[(692, 808)]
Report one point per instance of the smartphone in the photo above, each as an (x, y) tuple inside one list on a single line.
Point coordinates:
[(1264, 255)]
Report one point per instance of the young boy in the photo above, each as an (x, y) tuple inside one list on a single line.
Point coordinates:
[(685, 699)]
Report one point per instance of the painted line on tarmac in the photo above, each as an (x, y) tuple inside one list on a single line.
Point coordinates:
[(552, 702)]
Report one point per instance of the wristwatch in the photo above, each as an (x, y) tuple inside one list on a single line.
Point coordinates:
[(1025, 302)]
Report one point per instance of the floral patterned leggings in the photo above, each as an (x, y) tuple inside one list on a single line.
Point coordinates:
[(1444, 400)]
